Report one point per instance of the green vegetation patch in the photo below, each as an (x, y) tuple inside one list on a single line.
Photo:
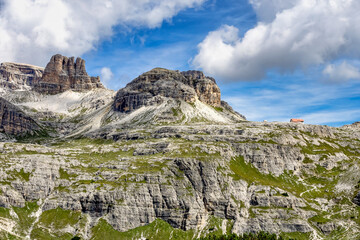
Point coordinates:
[(324, 180), (176, 112), (189, 151), (214, 227), (157, 230), (143, 166), (296, 236), (22, 175), (65, 175), (322, 148), (219, 109), (319, 219), (25, 151), (247, 172), (51, 223), (24, 214), (83, 143), (5, 212), (45, 234), (101, 157), (308, 160), (7, 236), (36, 136), (59, 218), (245, 236)]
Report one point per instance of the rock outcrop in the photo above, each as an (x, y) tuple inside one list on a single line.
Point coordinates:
[(13, 121), (148, 87), (17, 76), (356, 124), (62, 74)]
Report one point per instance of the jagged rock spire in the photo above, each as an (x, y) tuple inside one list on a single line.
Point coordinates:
[(62, 74)]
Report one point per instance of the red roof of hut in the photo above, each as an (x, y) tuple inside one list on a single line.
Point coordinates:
[(296, 120)]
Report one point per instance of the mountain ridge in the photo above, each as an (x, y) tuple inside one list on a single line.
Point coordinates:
[(159, 92)]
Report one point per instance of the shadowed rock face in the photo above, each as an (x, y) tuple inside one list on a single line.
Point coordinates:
[(17, 76), (62, 74), (187, 86), (13, 121)]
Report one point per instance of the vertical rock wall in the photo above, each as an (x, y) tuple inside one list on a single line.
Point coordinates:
[(13, 121)]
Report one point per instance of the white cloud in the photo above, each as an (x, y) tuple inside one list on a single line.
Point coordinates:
[(106, 75), (341, 72), (290, 35), (32, 30)]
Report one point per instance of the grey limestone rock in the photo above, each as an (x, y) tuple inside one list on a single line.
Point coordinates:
[(186, 86), (17, 76)]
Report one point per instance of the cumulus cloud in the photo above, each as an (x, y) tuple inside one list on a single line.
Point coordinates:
[(106, 75), (341, 72), (289, 35), (32, 30)]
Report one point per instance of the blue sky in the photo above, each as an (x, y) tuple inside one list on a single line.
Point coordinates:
[(130, 52), (273, 59)]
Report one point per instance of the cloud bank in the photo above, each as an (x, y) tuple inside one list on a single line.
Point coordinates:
[(32, 30), (290, 34)]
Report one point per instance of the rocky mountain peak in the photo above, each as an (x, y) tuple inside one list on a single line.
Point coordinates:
[(63, 65), (159, 82), (63, 73)]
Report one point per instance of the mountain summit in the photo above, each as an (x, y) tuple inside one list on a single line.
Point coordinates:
[(187, 86), (169, 96)]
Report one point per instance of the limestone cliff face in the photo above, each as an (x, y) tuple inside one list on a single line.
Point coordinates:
[(205, 87), (17, 76), (159, 82), (247, 177), (62, 74), (13, 121)]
